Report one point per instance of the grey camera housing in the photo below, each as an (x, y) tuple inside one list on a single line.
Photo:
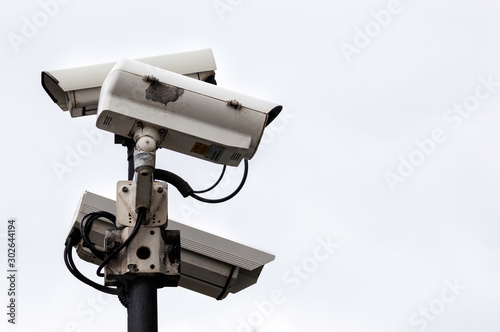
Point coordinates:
[(210, 265), (77, 90), (194, 118)]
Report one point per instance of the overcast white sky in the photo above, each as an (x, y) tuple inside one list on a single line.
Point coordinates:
[(387, 149)]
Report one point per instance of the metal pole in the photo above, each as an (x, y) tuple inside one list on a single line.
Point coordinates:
[(142, 305), (130, 145)]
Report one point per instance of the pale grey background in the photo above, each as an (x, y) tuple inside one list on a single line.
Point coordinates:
[(319, 174)]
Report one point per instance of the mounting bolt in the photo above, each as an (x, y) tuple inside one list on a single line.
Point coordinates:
[(113, 244), (234, 104), (124, 189), (133, 268), (159, 189)]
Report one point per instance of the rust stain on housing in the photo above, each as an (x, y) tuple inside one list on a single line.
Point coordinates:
[(163, 93)]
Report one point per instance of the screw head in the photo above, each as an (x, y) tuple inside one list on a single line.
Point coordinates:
[(124, 189), (159, 189)]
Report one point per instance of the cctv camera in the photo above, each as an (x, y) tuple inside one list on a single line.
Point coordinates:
[(77, 89), (210, 265), (195, 118)]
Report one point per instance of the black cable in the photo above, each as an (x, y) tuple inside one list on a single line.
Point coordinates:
[(86, 226), (215, 184), (226, 286), (186, 190), (73, 239), (141, 214), (175, 180), (123, 297), (220, 200), (73, 269)]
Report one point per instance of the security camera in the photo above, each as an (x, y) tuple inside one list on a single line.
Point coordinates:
[(210, 265), (77, 89), (198, 119)]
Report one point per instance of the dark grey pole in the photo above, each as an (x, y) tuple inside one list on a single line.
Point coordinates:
[(142, 305), (130, 145)]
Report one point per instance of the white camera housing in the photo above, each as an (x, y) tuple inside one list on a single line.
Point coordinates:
[(77, 89), (195, 118), (210, 265)]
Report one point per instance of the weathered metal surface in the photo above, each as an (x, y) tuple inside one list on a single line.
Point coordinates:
[(153, 252), (163, 93)]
